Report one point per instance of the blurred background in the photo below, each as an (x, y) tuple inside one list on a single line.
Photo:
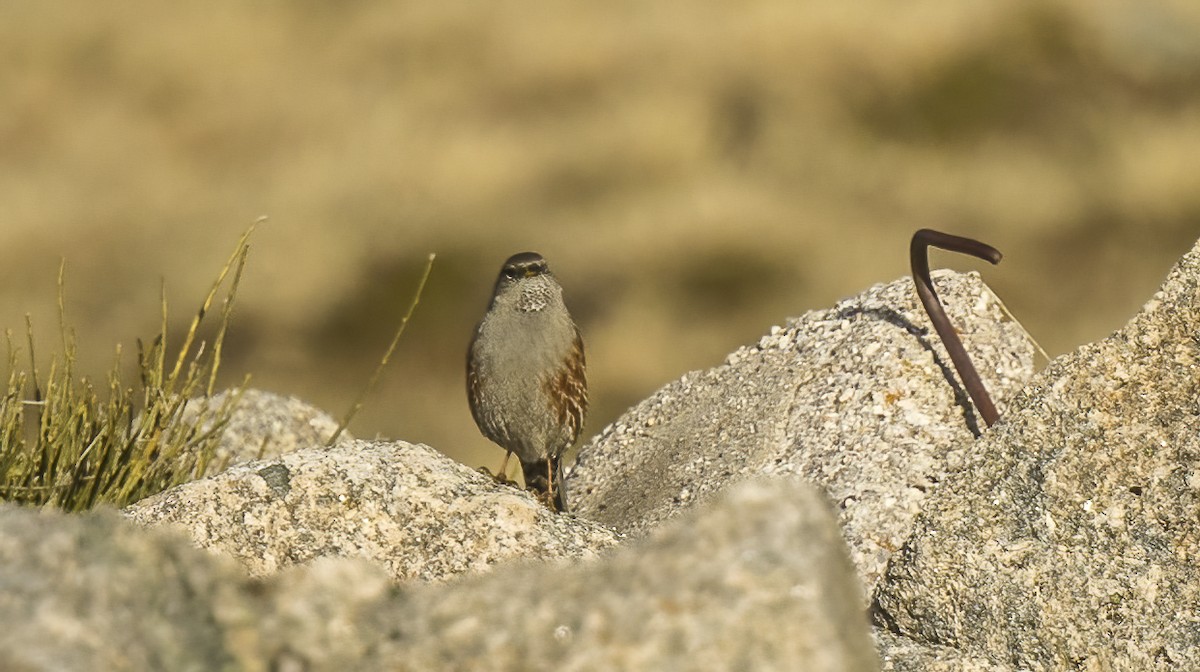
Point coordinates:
[(695, 172)]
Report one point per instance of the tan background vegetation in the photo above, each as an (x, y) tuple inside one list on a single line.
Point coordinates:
[(695, 172)]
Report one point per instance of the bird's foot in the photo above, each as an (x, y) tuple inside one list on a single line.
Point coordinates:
[(500, 478), (545, 497), (549, 498)]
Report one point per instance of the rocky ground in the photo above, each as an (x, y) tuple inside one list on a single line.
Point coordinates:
[(826, 499)]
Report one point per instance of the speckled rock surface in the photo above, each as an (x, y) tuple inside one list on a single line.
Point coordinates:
[(859, 399), (759, 581), (92, 592), (899, 654), (1069, 538), (263, 425), (407, 507)]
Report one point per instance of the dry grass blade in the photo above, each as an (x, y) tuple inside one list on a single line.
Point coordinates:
[(74, 446), (412, 307), (243, 246)]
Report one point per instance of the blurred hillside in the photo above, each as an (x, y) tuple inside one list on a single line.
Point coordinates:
[(695, 172)]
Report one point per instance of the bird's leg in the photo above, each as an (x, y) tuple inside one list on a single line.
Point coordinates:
[(554, 494), (544, 481), (502, 475)]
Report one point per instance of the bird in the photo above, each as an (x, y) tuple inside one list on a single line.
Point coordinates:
[(527, 374)]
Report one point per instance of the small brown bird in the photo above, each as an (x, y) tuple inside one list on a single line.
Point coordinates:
[(526, 379)]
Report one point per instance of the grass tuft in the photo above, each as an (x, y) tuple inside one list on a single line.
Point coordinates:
[(74, 443)]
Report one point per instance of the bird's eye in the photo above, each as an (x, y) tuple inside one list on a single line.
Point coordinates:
[(511, 273)]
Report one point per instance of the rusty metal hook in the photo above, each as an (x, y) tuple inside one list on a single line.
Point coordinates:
[(919, 258)]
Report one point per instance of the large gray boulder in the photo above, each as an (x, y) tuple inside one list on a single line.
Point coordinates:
[(759, 581), (412, 510), (260, 425), (93, 592), (860, 399), (1068, 538)]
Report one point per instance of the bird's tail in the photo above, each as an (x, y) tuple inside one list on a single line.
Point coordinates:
[(546, 476)]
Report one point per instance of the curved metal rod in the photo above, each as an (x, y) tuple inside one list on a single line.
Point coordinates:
[(919, 258)]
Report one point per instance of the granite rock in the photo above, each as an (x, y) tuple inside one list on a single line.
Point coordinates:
[(415, 512), (860, 399), (900, 654), (759, 580), (1069, 536), (261, 425), (92, 592)]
